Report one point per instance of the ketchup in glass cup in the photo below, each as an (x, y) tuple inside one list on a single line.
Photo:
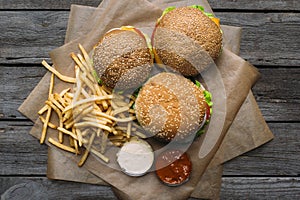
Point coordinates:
[(173, 167)]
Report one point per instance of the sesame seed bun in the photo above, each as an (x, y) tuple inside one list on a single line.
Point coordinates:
[(170, 106), (122, 58), (187, 40)]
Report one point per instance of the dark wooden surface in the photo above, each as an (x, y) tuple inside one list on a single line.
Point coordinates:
[(270, 41)]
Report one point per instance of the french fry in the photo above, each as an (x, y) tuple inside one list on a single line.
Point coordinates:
[(58, 112), (87, 112), (82, 108), (56, 103), (128, 133), (44, 130), (93, 124), (59, 75), (139, 134), (89, 83), (78, 84), (78, 62), (69, 95), (76, 146), (43, 109), (87, 69), (86, 56), (120, 110), (61, 146), (70, 133), (71, 141), (109, 111), (87, 151), (96, 120), (101, 114), (60, 100), (53, 126), (91, 99), (100, 155), (68, 116), (79, 135), (68, 124), (104, 141), (116, 137), (85, 93), (81, 114), (98, 132), (65, 92), (84, 133)]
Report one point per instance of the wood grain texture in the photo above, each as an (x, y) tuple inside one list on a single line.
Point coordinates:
[(267, 39), (17, 83), (288, 5), (27, 37), (277, 91), (32, 28), (232, 188), (260, 188), (21, 154), (45, 4), (278, 157), (42, 188)]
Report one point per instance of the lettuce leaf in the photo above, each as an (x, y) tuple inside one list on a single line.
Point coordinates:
[(99, 81), (208, 99), (210, 15), (168, 10)]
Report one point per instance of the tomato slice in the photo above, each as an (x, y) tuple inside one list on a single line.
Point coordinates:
[(207, 111)]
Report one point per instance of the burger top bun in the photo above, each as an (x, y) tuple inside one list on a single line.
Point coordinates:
[(181, 37), (122, 58), (170, 106)]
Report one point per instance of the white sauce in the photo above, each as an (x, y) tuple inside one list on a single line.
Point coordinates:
[(135, 158)]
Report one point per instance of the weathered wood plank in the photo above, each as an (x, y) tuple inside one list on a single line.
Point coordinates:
[(27, 37), (268, 38), (45, 4), (232, 188), (277, 92), (42, 188), (260, 188), (17, 83), (255, 5), (278, 157), (215, 4), (21, 154)]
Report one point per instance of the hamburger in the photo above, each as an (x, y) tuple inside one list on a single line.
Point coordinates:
[(171, 107), (123, 58), (187, 39)]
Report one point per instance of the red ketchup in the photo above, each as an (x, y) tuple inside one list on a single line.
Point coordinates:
[(173, 167)]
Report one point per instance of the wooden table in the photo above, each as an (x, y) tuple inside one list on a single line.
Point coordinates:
[(270, 41)]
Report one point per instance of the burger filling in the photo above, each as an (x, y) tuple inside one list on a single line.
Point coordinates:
[(210, 15)]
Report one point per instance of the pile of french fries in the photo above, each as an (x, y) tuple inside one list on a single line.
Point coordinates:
[(90, 115)]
